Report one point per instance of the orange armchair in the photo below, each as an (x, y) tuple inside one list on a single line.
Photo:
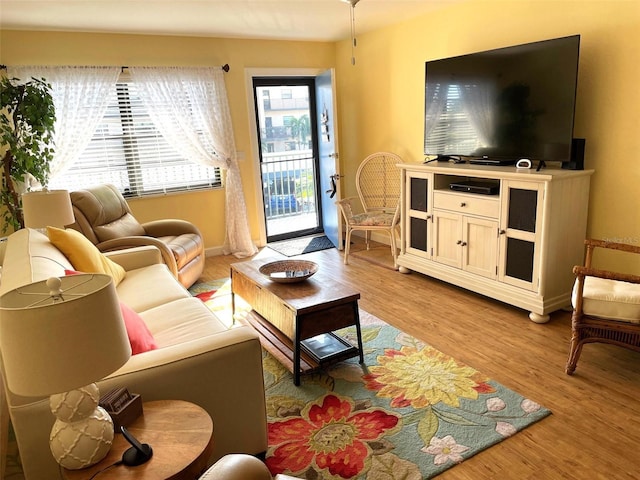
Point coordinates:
[(104, 217)]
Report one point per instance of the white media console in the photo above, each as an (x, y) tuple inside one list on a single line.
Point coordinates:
[(517, 242)]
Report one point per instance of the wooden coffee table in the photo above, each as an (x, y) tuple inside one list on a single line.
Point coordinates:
[(297, 321)]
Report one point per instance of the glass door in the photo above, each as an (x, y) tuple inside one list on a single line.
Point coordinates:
[(286, 124)]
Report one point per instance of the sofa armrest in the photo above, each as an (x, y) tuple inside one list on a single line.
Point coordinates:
[(136, 257)]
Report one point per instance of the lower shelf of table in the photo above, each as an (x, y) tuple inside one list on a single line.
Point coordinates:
[(281, 347)]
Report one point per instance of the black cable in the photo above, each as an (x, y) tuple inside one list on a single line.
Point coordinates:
[(429, 161)]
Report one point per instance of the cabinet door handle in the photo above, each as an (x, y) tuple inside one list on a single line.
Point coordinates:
[(459, 242), (501, 232), (464, 244), (463, 204)]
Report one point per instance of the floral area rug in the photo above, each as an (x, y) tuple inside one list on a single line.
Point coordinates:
[(216, 295), (410, 412)]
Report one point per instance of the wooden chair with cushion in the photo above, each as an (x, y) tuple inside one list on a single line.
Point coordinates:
[(606, 305), (378, 185), (104, 217)]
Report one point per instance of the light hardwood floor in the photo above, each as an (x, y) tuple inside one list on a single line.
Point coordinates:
[(594, 430)]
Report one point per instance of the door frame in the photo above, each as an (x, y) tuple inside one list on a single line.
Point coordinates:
[(249, 74)]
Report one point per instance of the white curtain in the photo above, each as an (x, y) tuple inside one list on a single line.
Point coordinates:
[(197, 102), (80, 96)]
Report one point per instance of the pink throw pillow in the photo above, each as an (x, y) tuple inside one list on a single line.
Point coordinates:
[(140, 337)]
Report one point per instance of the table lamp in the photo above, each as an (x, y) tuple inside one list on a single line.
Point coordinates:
[(47, 208), (57, 337)]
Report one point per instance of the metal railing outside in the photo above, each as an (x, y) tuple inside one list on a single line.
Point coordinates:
[(288, 184)]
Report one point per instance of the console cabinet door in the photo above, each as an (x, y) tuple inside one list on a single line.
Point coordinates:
[(520, 233), (447, 238), (468, 243), (480, 246), (417, 216)]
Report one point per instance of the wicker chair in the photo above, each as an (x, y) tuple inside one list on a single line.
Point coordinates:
[(606, 305), (378, 185)]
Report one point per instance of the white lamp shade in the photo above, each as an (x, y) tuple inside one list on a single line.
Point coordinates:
[(47, 208), (51, 345)]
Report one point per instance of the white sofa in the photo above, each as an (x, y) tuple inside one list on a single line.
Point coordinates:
[(198, 358)]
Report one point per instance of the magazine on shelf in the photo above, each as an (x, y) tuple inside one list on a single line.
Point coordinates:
[(325, 346)]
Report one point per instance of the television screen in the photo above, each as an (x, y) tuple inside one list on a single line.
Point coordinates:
[(505, 104)]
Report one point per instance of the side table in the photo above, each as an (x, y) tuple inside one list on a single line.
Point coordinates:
[(181, 435)]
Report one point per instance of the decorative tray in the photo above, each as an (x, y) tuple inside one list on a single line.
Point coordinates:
[(289, 271)]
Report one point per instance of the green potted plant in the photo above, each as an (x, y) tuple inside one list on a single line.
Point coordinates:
[(27, 117)]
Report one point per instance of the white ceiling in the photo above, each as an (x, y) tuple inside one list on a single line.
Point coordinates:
[(315, 20)]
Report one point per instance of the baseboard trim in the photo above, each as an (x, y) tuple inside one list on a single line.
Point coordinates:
[(379, 237), (375, 236), (213, 251)]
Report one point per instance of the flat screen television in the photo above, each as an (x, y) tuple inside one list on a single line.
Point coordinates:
[(498, 106)]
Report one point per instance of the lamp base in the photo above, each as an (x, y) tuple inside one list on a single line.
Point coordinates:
[(80, 442)]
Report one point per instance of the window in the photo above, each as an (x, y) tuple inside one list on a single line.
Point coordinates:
[(128, 151)]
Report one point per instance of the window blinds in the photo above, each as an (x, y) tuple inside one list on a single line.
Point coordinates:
[(128, 151)]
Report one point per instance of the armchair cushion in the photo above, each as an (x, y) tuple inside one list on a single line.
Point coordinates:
[(611, 299), (83, 255), (107, 213), (125, 226)]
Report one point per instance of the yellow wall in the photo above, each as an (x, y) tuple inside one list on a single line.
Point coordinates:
[(382, 97), (205, 209)]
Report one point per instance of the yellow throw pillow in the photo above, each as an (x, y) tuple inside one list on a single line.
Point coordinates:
[(84, 255)]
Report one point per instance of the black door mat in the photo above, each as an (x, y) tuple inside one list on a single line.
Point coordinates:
[(298, 246)]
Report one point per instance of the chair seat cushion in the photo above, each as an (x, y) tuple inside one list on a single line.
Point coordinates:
[(373, 219), (185, 247), (610, 299)]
